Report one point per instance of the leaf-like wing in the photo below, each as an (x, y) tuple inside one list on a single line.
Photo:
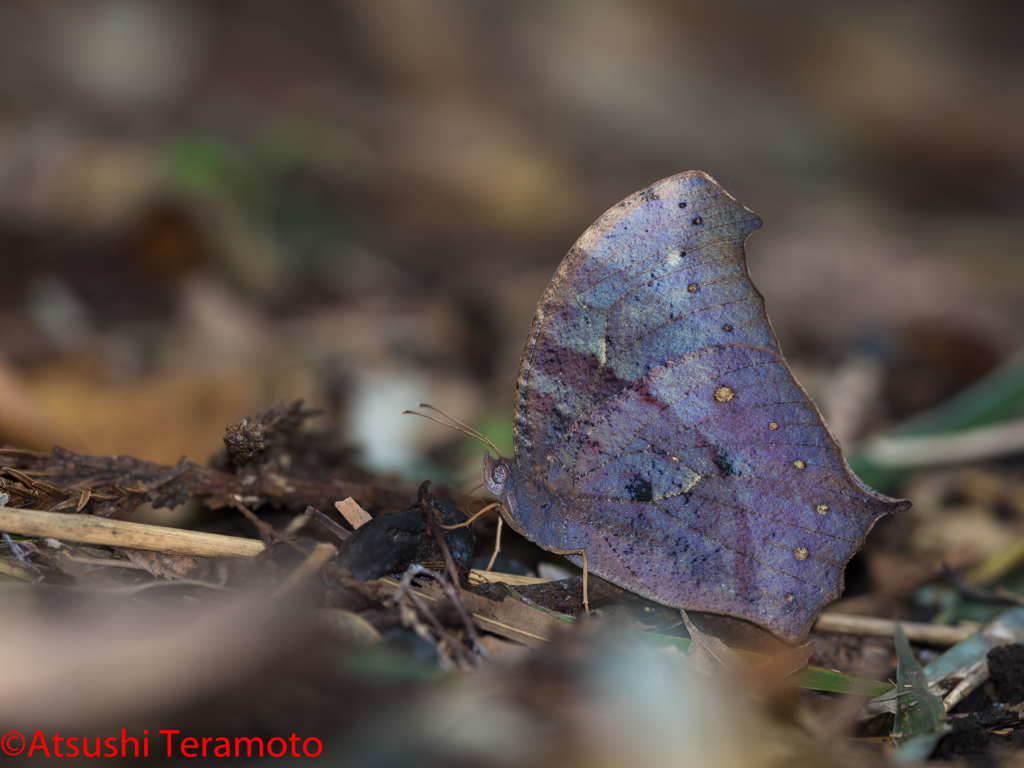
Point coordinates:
[(659, 429)]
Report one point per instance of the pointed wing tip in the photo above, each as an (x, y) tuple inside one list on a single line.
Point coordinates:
[(655, 190), (698, 175), (890, 504), (753, 219)]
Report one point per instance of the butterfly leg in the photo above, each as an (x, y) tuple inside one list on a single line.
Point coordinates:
[(497, 545), (582, 553), (475, 515)]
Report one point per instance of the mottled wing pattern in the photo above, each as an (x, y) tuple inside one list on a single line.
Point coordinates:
[(654, 395)]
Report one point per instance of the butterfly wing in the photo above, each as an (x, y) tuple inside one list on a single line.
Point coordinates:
[(658, 428)]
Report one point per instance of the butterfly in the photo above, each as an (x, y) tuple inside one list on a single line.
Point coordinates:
[(659, 436)]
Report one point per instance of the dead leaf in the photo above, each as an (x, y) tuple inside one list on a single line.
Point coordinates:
[(163, 565), (508, 618), (711, 655), (772, 674)]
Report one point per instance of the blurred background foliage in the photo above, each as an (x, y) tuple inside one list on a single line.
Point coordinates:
[(206, 205)]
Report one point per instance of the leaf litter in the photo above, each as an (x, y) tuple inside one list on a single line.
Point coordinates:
[(383, 599)]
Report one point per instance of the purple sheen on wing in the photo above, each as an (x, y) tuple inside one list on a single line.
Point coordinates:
[(659, 429)]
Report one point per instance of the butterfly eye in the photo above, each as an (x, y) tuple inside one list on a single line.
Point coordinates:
[(499, 474)]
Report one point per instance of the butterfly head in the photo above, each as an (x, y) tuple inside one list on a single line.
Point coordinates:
[(496, 474)]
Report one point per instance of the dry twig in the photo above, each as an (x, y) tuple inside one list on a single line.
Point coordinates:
[(466, 658), (318, 558), (87, 529), (932, 634)]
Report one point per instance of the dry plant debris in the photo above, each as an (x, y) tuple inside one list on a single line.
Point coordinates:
[(389, 591)]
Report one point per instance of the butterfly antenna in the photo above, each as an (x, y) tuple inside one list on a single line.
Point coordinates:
[(464, 428), (451, 418)]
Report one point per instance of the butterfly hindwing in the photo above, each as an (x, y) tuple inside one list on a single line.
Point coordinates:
[(719, 465)]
